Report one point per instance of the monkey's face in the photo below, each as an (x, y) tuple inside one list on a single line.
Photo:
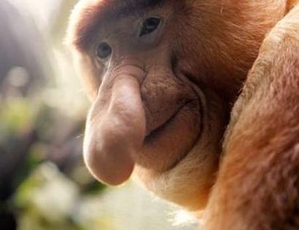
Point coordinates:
[(154, 114)]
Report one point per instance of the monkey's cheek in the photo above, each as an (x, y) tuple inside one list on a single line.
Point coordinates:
[(169, 144)]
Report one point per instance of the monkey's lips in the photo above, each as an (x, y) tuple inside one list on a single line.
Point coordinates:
[(166, 145)]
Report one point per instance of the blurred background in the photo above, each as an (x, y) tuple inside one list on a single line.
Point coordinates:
[(43, 181)]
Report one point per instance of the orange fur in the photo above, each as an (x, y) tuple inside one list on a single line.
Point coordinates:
[(204, 54), (258, 182)]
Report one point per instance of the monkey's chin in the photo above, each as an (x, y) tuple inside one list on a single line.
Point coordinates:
[(188, 183)]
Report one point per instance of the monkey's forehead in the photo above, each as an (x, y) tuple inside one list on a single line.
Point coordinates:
[(88, 15)]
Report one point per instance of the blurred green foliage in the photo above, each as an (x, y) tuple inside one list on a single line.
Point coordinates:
[(16, 116), (28, 141), (43, 180)]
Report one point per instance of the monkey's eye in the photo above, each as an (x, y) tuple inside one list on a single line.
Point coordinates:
[(103, 50), (149, 25)]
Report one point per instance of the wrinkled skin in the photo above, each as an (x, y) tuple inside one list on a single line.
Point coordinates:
[(162, 100)]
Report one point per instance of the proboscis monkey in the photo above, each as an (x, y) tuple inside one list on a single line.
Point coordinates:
[(163, 76)]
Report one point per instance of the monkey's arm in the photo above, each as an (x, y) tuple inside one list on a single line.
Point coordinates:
[(258, 182)]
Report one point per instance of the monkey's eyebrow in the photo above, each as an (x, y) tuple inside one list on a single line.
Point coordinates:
[(92, 17), (136, 5), (123, 8)]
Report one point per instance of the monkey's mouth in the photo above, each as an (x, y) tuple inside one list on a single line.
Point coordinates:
[(169, 143), (155, 132)]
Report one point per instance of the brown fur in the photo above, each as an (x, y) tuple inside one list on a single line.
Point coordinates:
[(204, 54), (258, 183)]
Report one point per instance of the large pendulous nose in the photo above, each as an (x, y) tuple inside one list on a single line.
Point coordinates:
[(115, 128)]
